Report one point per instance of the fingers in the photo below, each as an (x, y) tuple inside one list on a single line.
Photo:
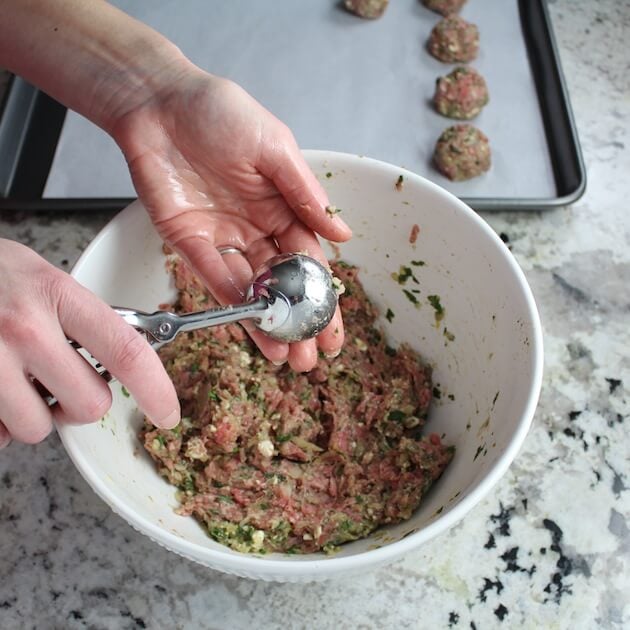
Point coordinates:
[(204, 259), (241, 268), (330, 340), (283, 163), (85, 397), (303, 355), (123, 351), (25, 415)]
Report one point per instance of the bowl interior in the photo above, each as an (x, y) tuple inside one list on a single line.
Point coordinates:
[(466, 308)]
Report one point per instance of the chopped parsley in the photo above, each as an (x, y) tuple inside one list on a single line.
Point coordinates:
[(396, 415), (434, 300), (448, 334), (389, 315), (478, 452), (411, 297), (404, 274)]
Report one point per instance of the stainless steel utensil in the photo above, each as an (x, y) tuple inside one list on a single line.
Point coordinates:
[(292, 298)]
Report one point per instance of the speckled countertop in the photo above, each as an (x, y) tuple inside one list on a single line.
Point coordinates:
[(550, 546)]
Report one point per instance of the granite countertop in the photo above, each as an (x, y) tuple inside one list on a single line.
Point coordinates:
[(549, 547)]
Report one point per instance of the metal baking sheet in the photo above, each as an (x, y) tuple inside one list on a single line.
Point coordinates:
[(361, 86)]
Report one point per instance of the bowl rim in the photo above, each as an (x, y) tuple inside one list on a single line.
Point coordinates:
[(312, 565)]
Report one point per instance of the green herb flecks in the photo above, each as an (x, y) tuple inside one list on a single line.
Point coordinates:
[(404, 273), (478, 452), (448, 334), (434, 300), (399, 183), (396, 415), (124, 391), (389, 315), (412, 298)]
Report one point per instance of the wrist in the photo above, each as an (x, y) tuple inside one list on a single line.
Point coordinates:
[(148, 69), (87, 54)]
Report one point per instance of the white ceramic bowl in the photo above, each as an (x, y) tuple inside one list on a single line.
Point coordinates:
[(489, 374)]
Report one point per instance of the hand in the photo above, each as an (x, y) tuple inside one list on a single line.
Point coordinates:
[(214, 168), (39, 307)]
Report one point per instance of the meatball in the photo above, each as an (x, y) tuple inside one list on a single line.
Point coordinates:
[(462, 152), (366, 8), (445, 7), (454, 40), (461, 94)]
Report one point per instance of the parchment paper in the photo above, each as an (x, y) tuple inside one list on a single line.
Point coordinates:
[(340, 83)]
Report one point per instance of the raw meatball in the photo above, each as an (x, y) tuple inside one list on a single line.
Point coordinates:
[(367, 8), (445, 7), (461, 94), (454, 40), (462, 152)]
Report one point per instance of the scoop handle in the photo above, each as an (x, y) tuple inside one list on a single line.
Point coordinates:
[(163, 326)]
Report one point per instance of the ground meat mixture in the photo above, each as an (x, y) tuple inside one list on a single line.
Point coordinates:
[(461, 94), (454, 40), (272, 460), (367, 8), (445, 7), (462, 152)]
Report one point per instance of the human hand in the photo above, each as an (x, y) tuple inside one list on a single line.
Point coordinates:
[(40, 306), (215, 169)]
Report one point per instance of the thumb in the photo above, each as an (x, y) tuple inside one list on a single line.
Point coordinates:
[(283, 163)]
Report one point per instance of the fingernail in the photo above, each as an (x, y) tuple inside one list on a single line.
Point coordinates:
[(337, 219), (172, 420), (333, 354), (279, 363)]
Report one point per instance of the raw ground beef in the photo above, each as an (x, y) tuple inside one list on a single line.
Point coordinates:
[(461, 94), (454, 40), (268, 459), (370, 9), (445, 7), (462, 152)]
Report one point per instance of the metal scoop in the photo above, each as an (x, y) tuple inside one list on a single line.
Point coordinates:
[(292, 298)]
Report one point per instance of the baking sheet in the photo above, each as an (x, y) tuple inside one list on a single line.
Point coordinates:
[(340, 83)]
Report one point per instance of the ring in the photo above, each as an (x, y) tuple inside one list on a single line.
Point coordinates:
[(230, 250)]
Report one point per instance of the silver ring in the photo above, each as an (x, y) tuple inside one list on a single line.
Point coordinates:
[(228, 249)]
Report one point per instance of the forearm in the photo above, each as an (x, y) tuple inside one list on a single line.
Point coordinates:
[(87, 54)]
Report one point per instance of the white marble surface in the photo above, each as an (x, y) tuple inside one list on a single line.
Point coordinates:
[(549, 548)]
